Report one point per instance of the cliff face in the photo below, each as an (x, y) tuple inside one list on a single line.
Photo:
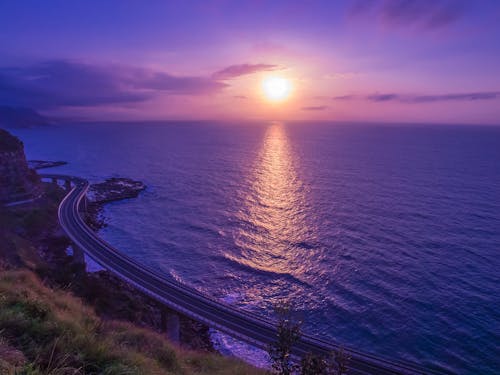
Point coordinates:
[(17, 180)]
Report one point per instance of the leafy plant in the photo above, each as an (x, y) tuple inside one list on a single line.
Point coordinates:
[(288, 333), (335, 364)]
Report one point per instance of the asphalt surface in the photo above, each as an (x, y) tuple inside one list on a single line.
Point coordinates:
[(239, 324)]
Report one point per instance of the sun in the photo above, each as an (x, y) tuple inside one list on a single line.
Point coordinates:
[(276, 88)]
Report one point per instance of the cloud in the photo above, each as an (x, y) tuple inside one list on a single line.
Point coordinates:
[(240, 97), (315, 108), (454, 97), (145, 79), (382, 97), (428, 14), (234, 71), (346, 75), (416, 99), (344, 97), (64, 83)]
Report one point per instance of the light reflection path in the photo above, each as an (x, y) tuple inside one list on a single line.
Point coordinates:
[(277, 235)]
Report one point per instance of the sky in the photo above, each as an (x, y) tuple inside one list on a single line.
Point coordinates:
[(434, 61)]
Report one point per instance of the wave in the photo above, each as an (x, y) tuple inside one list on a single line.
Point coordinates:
[(251, 267)]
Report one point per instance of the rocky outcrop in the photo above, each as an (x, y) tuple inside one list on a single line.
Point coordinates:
[(41, 164), (115, 189), (17, 180)]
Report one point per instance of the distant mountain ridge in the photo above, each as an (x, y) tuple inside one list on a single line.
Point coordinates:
[(21, 117)]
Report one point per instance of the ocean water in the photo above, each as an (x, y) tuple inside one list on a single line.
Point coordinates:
[(383, 238)]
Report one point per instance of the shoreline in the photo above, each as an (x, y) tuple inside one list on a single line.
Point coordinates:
[(133, 306), (194, 335)]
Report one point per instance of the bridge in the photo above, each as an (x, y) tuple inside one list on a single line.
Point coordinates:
[(242, 325)]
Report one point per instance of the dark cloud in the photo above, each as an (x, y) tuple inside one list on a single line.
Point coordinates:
[(429, 14), (62, 83), (344, 97), (315, 108), (382, 97), (471, 96), (234, 71), (452, 97), (144, 79)]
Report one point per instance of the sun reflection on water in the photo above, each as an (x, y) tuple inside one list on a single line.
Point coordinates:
[(275, 230)]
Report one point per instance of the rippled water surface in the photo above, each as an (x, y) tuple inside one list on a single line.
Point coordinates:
[(384, 238)]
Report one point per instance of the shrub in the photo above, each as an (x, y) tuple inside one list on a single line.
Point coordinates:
[(51, 332), (288, 333)]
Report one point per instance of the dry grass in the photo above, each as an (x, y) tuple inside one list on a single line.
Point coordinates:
[(50, 332)]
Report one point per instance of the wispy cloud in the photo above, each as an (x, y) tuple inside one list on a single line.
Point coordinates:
[(346, 75), (234, 71), (240, 97), (430, 14), (145, 79), (344, 97), (450, 97), (415, 99), (315, 108), (382, 97), (64, 83)]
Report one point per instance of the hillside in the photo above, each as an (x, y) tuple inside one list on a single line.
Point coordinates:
[(47, 331), (57, 319)]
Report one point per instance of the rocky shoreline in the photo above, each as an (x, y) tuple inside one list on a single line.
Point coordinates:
[(57, 313), (110, 296), (116, 299), (115, 189)]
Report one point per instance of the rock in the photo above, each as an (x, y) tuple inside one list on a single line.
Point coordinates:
[(114, 189), (40, 164), (17, 181)]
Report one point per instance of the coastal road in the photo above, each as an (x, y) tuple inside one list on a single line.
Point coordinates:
[(239, 324)]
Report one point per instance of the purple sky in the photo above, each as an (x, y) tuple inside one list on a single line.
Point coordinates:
[(368, 60)]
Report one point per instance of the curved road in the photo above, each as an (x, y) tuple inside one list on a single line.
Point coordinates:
[(242, 325)]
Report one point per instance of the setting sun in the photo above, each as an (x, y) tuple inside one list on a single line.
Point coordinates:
[(276, 88)]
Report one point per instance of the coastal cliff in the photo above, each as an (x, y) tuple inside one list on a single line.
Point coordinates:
[(56, 318), (17, 181)]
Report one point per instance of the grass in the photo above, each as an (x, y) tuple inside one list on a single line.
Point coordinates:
[(23, 227), (50, 332)]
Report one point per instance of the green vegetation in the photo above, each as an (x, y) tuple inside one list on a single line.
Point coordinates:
[(335, 364), (288, 333), (50, 332), (280, 352), (23, 228), (46, 330)]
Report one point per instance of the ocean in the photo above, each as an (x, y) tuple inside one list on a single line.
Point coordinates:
[(382, 237)]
